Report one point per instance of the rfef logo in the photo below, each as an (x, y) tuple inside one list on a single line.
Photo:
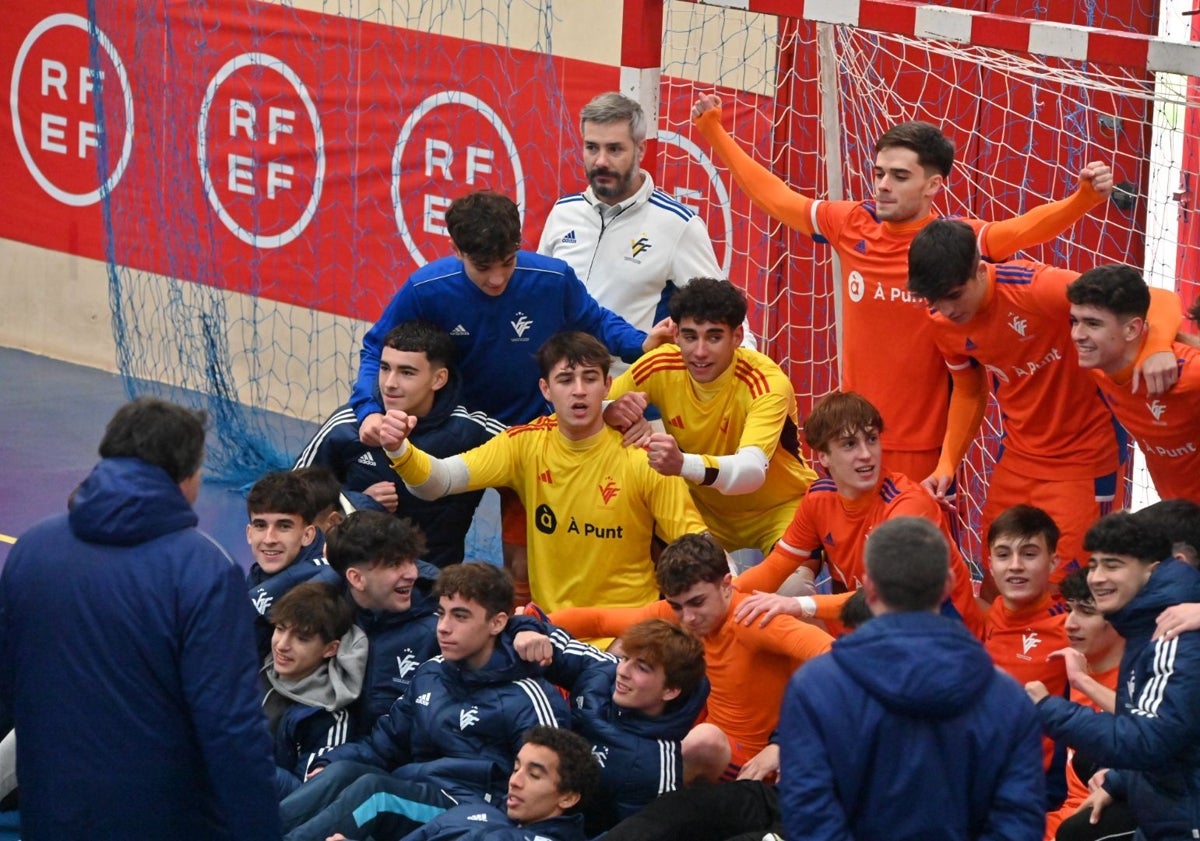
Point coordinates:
[(72, 119), (432, 165), (260, 150)]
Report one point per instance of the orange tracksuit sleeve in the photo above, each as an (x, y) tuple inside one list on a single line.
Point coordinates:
[(767, 190), (1001, 240), (1163, 320), (968, 402), (600, 622)]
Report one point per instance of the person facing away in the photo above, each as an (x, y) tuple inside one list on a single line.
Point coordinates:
[(127, 654), (1152, 743), (1008, 325), (287, 546), (376, 556), (887, 350), (730, 415), (631, 244), (314, 672), (592, 505), (418, 375), (906, 729), (450, 737), (1110, 312)]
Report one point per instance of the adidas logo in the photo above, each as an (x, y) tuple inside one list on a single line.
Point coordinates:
[(482, 816), (676, 422), (570, 237), (367, 459), (828, 541), (544, 476), (460, 331), (424, 700), (861, 247), (971, 345)]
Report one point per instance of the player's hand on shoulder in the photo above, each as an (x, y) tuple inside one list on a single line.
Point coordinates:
[(1176, 620), (1158, 373), (764, 607), (661, 333), (395, 429), (706, 102), (1075, 662), (938, 487), (626, 410), (1098, 176), (368, 430)]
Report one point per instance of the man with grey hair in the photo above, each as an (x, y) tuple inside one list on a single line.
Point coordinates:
[(630, 244), (906, 729)]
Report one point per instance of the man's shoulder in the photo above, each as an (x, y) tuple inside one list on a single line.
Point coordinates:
[(668, 208), (759, 373), (664, 360), (532, 266)]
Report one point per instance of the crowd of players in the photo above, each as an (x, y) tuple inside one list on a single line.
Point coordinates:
[(618, 675)]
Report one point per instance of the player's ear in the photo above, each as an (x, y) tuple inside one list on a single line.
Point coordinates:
[(545, 387), (441, 376)]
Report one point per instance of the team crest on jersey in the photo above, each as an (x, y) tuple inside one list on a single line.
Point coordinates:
[(405, 664), (639, 246), (520, 324), (601, 754), (1156, 408), (1018, 324), (1029, 642), (608, 490), (466, 718)]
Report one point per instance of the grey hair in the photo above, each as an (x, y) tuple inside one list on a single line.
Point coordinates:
[(614, 107)]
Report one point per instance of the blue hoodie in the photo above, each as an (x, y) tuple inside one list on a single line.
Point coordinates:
[(906, 730), (127, 659), (1154, 738)]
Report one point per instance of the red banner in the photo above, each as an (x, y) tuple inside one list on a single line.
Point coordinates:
[(302, 157)]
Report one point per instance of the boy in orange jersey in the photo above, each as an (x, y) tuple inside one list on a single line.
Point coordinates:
[(592, 505), (1060, 450), (731, 415), (693, 575), (1109, 307), (1026, 623), (887, 351), (1093, 659), (837, 514)]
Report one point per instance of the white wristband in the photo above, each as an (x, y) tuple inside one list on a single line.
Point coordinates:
[(808, 606)]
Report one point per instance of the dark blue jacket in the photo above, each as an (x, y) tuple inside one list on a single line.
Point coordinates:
[(460, 729), (266, 589), (906, 730), (127, 656), (1154, 738), (481, 822), (496, 335), (398, 644), (447, 430), (640, 756)]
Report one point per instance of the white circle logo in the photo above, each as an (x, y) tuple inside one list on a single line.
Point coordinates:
[(242, 169), (54, 132), (856, 286), (439, 155)]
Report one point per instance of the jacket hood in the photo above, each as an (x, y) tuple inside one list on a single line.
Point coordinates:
[(916, 664), (126, 502), (1172, 582), (335, 684), (674, 722)]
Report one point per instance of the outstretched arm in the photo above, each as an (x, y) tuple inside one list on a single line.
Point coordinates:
[(1001, 240), (767, 190)]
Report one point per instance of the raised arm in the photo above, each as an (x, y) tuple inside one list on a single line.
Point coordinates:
[(1001, 240), (768, 191)]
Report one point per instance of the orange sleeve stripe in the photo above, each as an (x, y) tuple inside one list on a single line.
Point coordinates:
[(644, 370), (754, 379)]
